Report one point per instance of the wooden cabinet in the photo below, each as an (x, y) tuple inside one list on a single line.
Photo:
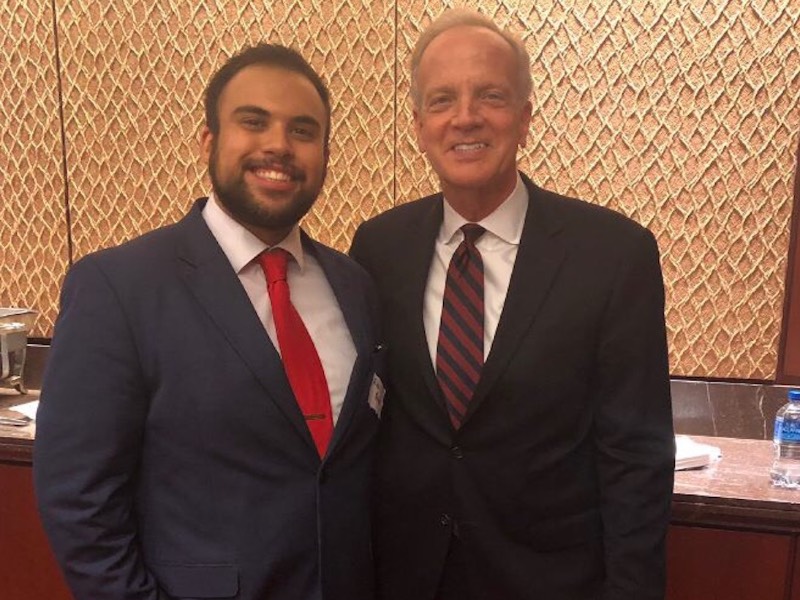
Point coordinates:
[(795, 584), (718, 564), (28, 570)]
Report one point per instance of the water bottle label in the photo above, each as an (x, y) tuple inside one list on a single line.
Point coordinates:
[(789, 431), (776, 434)]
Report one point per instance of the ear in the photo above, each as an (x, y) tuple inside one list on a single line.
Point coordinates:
[(326, 155), (418, 130), (525, 123), (206, 139)]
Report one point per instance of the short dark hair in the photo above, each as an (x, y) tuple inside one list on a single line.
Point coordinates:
[(271, 55)]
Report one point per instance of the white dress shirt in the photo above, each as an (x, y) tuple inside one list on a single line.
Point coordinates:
[(498, 248), (311, 295)]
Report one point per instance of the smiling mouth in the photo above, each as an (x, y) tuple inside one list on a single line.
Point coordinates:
[(272, 175), (472, 147), (275, 172)]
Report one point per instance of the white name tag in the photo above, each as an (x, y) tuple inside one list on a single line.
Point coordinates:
[(376, 393)]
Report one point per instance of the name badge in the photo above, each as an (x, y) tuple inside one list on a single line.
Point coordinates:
[(376, 393)]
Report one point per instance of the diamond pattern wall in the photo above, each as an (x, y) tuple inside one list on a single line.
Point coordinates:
[(33, 226), (682, 114), (134, 75)]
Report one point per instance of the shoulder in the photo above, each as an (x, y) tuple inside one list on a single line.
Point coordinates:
[(584, 222), (146, 248), (390, 234), (403, 215), (344, 274), (336, 260), (138, 261)]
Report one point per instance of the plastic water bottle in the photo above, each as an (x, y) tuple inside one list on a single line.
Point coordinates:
[(785, 470)]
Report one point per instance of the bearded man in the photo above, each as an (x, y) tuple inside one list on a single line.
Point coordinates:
[(207, 416)]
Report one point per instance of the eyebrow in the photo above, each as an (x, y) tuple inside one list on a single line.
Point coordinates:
[(251, 110), (442, 89), (307, 120)]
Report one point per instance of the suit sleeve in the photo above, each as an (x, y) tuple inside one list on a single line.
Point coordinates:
[(88, 440), (634, 434)]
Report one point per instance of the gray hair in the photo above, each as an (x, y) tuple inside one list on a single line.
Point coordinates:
[(459, 17)]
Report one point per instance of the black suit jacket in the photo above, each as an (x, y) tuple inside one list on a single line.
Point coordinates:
[(171, 458), (559, 480)]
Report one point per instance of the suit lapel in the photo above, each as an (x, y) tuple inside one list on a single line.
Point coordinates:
[(539, 257), (208, 274), (412, 278), (353, 304), (419, 264)]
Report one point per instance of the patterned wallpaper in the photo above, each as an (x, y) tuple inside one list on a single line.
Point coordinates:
[(33, 224), (683, 114)]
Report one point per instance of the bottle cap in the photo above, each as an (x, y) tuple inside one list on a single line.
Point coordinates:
[(794, 395)]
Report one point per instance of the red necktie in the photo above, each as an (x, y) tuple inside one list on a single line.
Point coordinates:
[(459, 352), (300, 359)]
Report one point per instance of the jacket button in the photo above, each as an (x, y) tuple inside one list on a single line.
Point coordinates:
[(456, 452), (444, 520)]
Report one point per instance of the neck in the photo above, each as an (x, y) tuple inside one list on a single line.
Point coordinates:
[(475, 204), (270, 237)]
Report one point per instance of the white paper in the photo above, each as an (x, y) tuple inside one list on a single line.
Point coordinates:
[(690, 454), (28, 409)]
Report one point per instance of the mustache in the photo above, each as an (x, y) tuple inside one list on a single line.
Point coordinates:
[(277, 164)]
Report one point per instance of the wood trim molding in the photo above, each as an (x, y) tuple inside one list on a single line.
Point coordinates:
[(789, 348)]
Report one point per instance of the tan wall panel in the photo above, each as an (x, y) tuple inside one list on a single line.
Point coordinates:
[(33, 232), (134, 76), (683, 115)]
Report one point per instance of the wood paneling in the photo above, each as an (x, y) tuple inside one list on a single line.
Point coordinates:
[(28, 570), (789, 356), (715, 564)]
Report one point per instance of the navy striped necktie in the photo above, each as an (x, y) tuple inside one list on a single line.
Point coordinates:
[(459, 352)]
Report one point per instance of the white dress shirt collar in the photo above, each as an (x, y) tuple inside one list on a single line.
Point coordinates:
[(505, 222), (239, 244)]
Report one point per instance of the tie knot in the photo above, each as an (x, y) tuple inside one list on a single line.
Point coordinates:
[(274, 262), (472, 231)]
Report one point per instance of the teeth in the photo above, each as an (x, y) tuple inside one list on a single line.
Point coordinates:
[(468, 147), (271, 174)]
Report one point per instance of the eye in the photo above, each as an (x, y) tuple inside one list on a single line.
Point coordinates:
[(304, 132), (439, 102), (494, 96), (253, 123)]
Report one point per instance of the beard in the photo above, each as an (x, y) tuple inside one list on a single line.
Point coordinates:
[(239, 200)]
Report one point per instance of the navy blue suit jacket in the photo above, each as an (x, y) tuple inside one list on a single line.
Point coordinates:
[(559, 481), (171, 458)]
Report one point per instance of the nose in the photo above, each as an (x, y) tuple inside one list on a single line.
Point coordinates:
[(466, 114), (276, 140)]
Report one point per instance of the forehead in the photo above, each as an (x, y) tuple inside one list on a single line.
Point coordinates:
[(467, 52), (272, 89)]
